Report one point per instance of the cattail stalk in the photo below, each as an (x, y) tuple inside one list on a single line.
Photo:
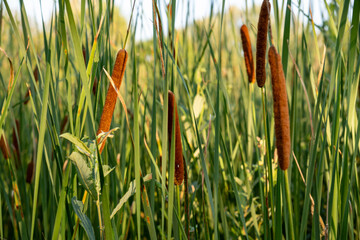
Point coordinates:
[(282, 124), (281, 111), (261, 43), (179, 164), (249, 61), (111, 96)]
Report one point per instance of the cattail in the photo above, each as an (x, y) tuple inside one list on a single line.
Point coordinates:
[(179, 164), (30, 171), (261, 43), (111, 96), (281, 111), (4, 146), (249, 61)]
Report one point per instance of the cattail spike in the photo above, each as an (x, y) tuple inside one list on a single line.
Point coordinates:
[(249, 61), (111, 96), (281, 111), (261, 43), (179, 164)]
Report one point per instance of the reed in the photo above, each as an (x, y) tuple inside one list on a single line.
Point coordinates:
[(281, 111), (111, 96), (179, 164), (249, 61), (261, 43)]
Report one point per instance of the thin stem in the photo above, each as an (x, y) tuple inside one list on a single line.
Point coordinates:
[(99, 214), (267, 142), (178, 207), (288, 201)]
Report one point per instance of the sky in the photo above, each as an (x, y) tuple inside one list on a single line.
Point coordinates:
[(144, 9)]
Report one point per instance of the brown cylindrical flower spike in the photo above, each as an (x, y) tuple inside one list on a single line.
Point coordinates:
[(111, 96), (179, 164), (281, 111), (261, 43), (249, 61)]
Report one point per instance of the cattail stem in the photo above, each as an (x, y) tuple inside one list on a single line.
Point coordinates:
[(186, 202), (178, 207), (282, 123), (249, 61), (289, 205), (268, 161)]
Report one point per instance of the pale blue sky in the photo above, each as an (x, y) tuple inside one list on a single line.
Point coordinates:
[(144, 8)]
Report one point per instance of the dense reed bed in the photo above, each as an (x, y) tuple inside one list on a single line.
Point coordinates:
[(107, 135)]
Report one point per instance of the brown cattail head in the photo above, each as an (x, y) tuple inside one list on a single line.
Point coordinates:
[(249, 61), (30, 171), (179, 164), (111, 96), (261, 43), (281, 111)]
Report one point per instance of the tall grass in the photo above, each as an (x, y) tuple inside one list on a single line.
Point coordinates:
[(244, 177)]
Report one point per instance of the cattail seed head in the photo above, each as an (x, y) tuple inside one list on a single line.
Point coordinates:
[(281, 111), (249, 61), (261, 43), (179, 164), (111, 96)]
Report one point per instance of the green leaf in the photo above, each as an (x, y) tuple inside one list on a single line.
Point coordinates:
[(78, 143), (131, 191), (107, 170), (85, 173), (85, 222)]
